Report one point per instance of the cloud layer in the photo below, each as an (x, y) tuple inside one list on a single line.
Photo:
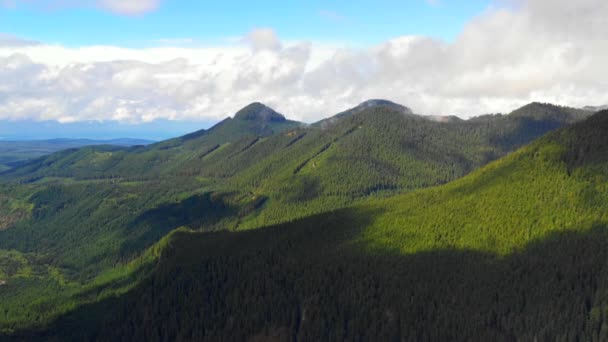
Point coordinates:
[(521, 51)]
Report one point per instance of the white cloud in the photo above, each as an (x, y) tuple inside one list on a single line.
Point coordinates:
[(129, 7), (10, 40), (504, 58), (122, 7), (263, 39)]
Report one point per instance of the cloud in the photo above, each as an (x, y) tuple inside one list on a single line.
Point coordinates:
[(129, 7), (263, 39), (175, 41), (519, 52), (121, 7), (13, 41)]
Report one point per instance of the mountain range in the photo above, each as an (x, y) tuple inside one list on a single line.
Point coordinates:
[(374, 224)]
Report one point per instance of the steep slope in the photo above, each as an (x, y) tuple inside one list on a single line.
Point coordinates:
[(515, 251), (557, 183), (384, 150)]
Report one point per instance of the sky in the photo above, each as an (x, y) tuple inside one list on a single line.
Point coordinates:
[(181, 65)]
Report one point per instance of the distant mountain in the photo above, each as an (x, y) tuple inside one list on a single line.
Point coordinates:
[(595, 108), (16, 152), (550, 112), (255, 119)]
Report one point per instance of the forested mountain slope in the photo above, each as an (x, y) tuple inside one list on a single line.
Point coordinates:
[(255, 121), (98, 206), (382, 145), (514, 251), (382, 140), (81, 225)]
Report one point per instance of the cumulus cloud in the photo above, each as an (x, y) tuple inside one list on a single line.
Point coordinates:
[(521, 51), (263, 39)]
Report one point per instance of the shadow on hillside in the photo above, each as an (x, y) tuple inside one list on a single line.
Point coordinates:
[(194, 212), (524, 131), (586, 142), (304, 281)]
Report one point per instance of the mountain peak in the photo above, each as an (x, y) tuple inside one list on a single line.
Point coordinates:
[(381, 103), (598, 121), (547, 111), (259, 112), (595, 108), (538, 105), (364, 106)]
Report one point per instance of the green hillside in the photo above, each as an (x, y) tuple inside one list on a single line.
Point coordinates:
[(373, 149), (80, 226), (91, 208), (514, 251)]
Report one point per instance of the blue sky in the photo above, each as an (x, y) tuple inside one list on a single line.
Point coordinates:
[(39, 130), (210, 22)]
